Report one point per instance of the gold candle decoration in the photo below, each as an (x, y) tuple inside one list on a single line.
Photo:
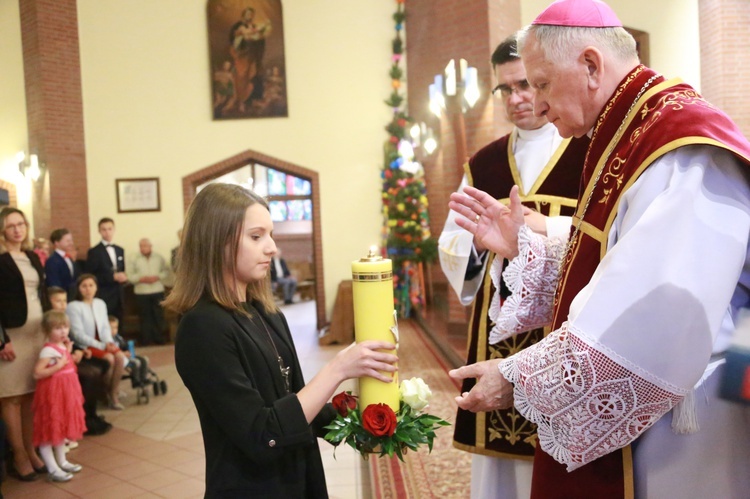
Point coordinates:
[(374, 319)]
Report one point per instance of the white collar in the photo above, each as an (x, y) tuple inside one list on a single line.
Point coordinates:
[(541, 133)]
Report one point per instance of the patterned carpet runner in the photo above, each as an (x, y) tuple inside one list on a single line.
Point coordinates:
[(446, 472)]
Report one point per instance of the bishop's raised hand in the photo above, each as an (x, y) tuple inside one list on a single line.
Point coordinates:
[(494, 225)]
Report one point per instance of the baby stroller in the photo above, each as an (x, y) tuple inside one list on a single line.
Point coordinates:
[(141, 375)]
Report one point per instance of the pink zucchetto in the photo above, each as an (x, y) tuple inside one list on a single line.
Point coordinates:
[(579, 14)]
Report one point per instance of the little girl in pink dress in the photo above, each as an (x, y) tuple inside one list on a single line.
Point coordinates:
[(58, 401)]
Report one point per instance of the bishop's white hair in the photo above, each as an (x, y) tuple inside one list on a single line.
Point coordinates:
[(562, 44)]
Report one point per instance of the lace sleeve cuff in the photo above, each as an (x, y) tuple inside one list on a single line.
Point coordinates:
[(532, 279), (586, 400)]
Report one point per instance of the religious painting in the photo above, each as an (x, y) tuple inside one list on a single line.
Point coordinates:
[(248, 68)]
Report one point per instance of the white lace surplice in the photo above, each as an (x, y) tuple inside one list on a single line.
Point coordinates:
[(641, 332), (532, 279)]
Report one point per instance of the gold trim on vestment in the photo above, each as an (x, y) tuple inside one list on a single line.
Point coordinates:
[(487, 427), (594, 233), (601, 164), (555, 202), (627, 472), (482, 341), (666, 148), (548, 167), (515, 173), (615, 139), (492, 453), (467, 172)]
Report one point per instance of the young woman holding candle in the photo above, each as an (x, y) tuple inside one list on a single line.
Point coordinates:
[(236, 355)]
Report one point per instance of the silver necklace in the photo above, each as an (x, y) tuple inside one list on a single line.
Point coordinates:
[(285, 371)]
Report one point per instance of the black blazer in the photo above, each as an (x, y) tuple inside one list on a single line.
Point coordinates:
[(99, 263), (13, 306), (58, 274), (257, 440)]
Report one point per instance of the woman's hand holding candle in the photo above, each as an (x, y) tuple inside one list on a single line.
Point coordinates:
[(359, 360), (368, 358)]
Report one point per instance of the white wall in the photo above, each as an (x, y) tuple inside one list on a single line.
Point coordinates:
[(13, 128), (147, 113), (672, 26)]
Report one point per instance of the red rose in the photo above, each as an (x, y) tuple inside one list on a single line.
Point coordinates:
[(379, 419), (343, 402)]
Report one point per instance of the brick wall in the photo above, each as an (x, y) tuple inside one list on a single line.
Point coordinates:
[(725, 57), (437, 31), (54, 107)]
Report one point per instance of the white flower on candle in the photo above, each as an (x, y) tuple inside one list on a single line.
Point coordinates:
[(416, 393)]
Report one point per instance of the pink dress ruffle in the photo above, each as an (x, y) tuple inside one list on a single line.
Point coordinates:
[(58, 405)]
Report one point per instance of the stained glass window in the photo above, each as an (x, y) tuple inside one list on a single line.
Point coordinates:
[(276, 183), (278, 211)]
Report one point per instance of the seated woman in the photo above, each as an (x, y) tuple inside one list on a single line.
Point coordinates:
[(236, 355), (89, 327), (91, 371)]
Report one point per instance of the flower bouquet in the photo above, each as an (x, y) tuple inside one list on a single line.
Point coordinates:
[(379, 430)]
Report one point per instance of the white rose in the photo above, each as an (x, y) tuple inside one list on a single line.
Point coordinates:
[(415, 392)]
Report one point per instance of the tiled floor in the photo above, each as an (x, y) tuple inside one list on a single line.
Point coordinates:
[(156, 449)]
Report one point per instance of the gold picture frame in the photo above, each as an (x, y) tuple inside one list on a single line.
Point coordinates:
[(248, 62)]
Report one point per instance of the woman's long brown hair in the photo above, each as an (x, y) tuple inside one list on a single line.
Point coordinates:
[(208, 248)]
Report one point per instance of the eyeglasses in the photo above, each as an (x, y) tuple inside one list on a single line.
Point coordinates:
[(505, 91), (19, 225)]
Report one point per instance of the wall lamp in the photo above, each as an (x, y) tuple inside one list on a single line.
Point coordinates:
[(31, 168), (423, 135), (458, 80)]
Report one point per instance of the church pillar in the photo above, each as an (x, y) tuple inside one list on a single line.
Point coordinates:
[(54, 108), (725, 66), (436, 32)]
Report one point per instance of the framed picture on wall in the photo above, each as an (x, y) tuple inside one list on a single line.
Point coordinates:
[(137, 195), (641, 44), (248, 67)]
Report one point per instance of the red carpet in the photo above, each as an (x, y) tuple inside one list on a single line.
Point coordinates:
[(445, 473)]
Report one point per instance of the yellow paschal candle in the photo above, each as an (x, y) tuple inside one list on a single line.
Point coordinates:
[(372, 293)]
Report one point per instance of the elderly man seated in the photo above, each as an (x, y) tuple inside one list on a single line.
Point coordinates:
[(282, 278)]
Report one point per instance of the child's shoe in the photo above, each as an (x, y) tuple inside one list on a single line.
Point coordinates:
[(59, 476), (71, 467)]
